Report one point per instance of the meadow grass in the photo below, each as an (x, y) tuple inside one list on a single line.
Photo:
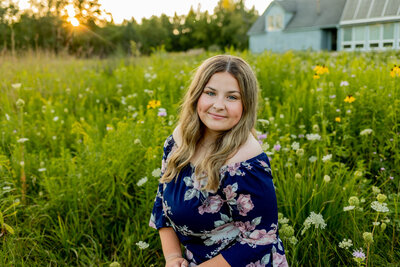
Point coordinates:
[(81, 146)]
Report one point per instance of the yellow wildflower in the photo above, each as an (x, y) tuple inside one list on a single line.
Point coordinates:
[(316, 76), (338, 119), (395, 71), (154, 104), (349, 99), (319, 70)]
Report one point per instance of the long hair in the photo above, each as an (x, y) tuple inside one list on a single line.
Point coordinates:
[(192, 128)]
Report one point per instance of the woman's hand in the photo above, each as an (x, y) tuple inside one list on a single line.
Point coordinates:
[(177, 262)]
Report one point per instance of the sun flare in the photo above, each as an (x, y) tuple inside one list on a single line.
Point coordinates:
[(74, 22)]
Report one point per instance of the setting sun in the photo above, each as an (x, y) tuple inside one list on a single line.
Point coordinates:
[(74, 21)]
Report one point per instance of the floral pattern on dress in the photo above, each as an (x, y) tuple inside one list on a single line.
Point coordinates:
[(238, 221)]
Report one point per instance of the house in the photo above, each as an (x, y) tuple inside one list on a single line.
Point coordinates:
[(327, 25)]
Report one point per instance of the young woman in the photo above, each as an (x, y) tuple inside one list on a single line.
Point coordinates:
[(216, 195)]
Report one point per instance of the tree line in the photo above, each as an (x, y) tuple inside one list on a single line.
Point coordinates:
[(48, 25)]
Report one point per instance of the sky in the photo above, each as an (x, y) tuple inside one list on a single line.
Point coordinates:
[(126, 9)]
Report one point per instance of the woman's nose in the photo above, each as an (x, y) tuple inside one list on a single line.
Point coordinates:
[(219, 103)]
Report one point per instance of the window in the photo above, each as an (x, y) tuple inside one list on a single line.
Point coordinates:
[(359, 33), (388, 31), (359, 46), (374, 45), (347, 34), (346, 46), (275, 23), (375, 32), (388, 44)]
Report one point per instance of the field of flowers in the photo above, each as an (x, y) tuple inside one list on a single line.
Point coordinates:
[(81, 144)]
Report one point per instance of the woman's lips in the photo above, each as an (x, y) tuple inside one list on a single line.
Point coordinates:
[(216, 116)]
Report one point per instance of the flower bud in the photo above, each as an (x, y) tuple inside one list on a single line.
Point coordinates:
[(327, 178), (300, 152), (383, 226), (115, 264), (297, 176), (354, 201), (286, 231), (381, 198), (20, 103), (368, 237)]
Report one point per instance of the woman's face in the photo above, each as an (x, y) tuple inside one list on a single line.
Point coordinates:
[(220, 105)]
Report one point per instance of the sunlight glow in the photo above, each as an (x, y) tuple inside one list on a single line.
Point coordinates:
[(74, 22)]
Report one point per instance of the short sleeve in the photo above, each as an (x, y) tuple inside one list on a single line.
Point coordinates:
[(250, 194), (158, 218)]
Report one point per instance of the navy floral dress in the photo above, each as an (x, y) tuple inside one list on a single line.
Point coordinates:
[(239, 221)]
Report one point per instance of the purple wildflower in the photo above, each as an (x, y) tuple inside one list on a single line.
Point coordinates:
[(262, 136), (277, 147), (359, 254)]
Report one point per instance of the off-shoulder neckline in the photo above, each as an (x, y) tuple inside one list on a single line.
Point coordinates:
[(229, 164)]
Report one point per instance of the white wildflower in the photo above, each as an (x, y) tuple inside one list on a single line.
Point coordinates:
[(327, 178), (263, 122), (295, 146), (142, 245), (346, 243), (327, 157), (16, 85), (379, 207), (142, 181), (313, 137), (22, 163), (376, 223), (55, 118), (42, 170), (6, 187), (366, 132), (348, 208), (312, 159), (7, 117), (54, 137), (156, 172), (316, 219), (344, 83), (376, 189), (22, 140)]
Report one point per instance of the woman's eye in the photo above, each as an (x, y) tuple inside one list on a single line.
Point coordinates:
[(210, 93), (232, 97)]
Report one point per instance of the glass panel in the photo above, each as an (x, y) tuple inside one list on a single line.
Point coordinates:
[(374, 45), (388, 31), (359, 33), (278, 22), (270, 23), (387, 44), (359, 45), (375, 32), (346, 46), (346, 34)]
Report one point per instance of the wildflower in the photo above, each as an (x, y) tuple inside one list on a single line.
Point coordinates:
[(55, 118), (142, 181), (344, 83), (263, 122), (358, 255), (348, 208), (312, 158), (286, 231), (346, 243), (327, 157), (277, 147), (42, 170), (7, 117), (261, 136), (156, 172), (316, 76), (109, 127), (383, 226), (20, 103), (354, 201), (320, 70), (349, 99), (297, 176), (300, 152), (316, 219), (379, 207), (6, 187), (265, 146), (315, 128), (381, 198), (366, 132), (300, 109), (115, 264), (16, 85), (338, 119), (313, 137), (368, 237), (293, 240), (137, 141), (142, 245), (22, 163), (358, 173), (162, 112), (332, 96), (295, 146), (154, 104), (22, 140), (376, 189), (327, 178), (395, 71)]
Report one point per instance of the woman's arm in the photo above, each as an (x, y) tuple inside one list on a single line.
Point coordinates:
[(169, 242), (216, 261)]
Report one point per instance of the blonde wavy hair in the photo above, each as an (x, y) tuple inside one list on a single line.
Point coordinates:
[(192, 128)]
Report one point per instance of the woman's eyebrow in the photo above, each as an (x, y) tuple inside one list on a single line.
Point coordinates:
[(229, 92)]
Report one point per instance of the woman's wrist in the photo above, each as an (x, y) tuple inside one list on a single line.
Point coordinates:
[(172, 256)]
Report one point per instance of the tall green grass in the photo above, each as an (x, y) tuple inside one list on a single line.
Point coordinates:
[(92, 138)]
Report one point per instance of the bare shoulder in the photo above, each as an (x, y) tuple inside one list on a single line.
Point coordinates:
[(248, 150), (177, 135)]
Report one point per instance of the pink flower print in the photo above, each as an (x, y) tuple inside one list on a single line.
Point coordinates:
[(163, 166), (188, 254), (211, 205), (244, 204), (279, 260), (229, 192), (261, 237), (245, 227), (255, 264), (233, 169)]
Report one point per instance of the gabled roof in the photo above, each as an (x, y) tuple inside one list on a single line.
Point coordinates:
[(306, 14), (359, 11)]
